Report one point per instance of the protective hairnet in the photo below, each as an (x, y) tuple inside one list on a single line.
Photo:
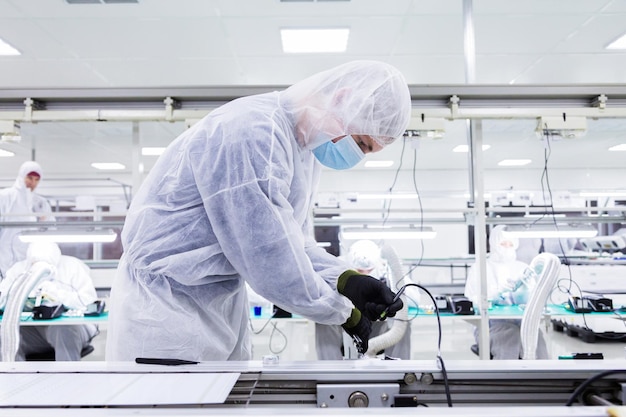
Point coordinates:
[(228, 203), (70, 283), (364, 255), (357, 98), (502, 247), (501, 268), (43, 251), (16, 199)]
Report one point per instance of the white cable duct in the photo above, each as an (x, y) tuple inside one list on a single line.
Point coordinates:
[(401, 323), (546, 268), (16, 298)]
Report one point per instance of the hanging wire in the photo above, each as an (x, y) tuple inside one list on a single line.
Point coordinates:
[(440, 333)]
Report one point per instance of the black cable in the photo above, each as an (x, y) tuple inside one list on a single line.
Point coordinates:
[(439, 357), (387, 212), (589, 381)]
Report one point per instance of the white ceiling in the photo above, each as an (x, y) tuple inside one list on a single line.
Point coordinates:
[(237, 42), (189, 43)]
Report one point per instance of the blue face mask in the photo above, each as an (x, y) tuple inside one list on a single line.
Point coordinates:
[(341, 155)]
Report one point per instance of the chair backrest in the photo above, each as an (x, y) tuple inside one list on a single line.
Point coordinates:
[(546, 266)]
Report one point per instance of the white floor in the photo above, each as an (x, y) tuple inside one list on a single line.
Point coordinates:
[(294, 340)]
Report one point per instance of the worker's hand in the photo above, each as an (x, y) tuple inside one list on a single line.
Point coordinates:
[(359, 327), (369, 295)]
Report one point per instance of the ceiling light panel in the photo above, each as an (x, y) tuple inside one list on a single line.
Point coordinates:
[(619, 43), (314, 40), (514, 162), (6, 49), (108, 165)]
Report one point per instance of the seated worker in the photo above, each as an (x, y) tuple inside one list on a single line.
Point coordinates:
[(69, 285), (365, 257), (503, 273)]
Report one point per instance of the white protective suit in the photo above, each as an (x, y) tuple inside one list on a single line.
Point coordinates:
[(18, 199), (70, 285), (503, 270), (364, 256), (229, 202)]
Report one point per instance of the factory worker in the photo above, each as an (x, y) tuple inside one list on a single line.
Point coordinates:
[(503, 272), (20, 199), (229, 202), (70, 284), (366, 258)]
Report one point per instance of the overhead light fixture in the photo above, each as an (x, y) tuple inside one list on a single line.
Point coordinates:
[(465, 148), (426, 127), (604, 243), (620, 147), (619, 43), (388, 232), (6, 154), (617, 193), (562, 126), (514, 162), (68, 236), (551, 231), (378, 164), (10, 131), (6, 49), (314, 40), (108, 165), (152, 151), (386, 196)]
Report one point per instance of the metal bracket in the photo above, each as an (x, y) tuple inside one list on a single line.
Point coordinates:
[(356, 395), (600, 101), (30, 105), (453, 103), (170, 105)]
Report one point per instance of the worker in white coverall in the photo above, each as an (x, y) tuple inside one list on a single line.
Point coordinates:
[(70, 284), (230, 202), (504, 273), (20, 203)]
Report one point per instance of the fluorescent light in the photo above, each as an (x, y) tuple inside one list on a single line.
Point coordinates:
[(4, 154), (68, 236), (620, 147), (6, 49), (314, 40), (514, 162), (465, 148), (550, 230), (388, 232), (619, 43), (324, 244), (108, 165), (378, 164), (152, 151), (602, 193), (388, 196)]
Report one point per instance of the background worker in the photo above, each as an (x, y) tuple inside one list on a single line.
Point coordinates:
[(70, 284), (20, 203), (365, 257), (504, 272), (229, 202)]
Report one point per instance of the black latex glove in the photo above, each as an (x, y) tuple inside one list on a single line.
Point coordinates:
[(368, 294), (359, 327)]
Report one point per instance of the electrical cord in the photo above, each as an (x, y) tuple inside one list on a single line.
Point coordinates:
[(439, 357), (589, 381), (275, 329)]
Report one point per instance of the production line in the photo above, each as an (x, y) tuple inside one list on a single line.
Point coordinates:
[(259, 387)]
